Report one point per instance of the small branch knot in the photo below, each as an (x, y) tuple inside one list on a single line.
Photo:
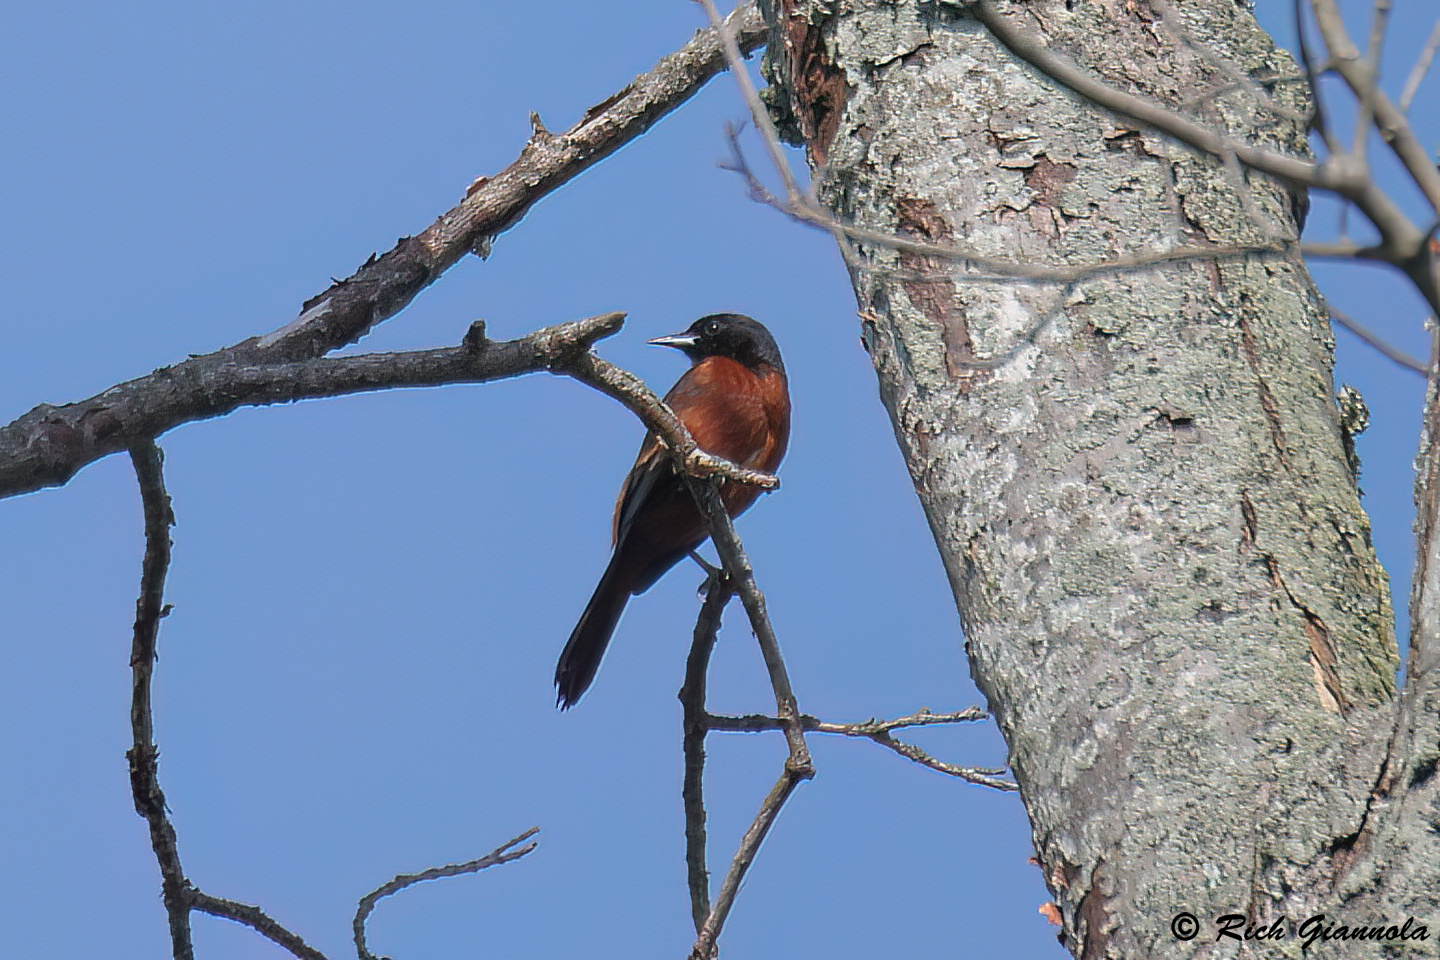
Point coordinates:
[(475, 339)]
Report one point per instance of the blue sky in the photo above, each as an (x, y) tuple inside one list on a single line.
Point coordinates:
[(370, 592)]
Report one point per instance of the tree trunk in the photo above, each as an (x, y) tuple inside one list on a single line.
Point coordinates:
[(1138, 481)]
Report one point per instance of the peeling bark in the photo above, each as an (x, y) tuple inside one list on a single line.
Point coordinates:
[(1146, 512)]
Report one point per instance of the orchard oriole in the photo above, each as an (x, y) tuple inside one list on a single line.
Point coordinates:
[(735, 402)]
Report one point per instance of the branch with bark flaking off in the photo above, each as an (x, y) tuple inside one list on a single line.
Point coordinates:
[(48, 445)]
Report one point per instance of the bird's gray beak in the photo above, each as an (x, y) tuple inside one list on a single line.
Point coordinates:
[(677, 340)]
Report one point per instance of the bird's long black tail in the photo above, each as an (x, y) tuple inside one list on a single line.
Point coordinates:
[(581, 656)]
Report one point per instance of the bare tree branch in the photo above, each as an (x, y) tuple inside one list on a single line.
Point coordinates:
[(718, 592), (49, 444), (346, 311), (1391, 353), (879, 732), (178, 894), (1362, 77), (652, 411), (501, 854), (1365, 116), (143, 755), (742, 576), (798, 765), (704, 948), (1422, 67), (46, 446), (257, 920)]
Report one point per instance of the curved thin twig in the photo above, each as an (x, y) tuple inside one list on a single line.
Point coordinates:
[(501, 854)]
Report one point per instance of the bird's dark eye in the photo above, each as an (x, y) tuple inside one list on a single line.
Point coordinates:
[(712, 328)]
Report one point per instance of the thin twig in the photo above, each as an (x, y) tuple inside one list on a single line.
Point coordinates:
[(1365, 116), (878, 731), (1322, 124), (1391, 353), (501, 854), (805, 211), (143, 754), (704, 948), (178, 894), (718, 592), (761, 116), (640, 400), (1171, 19), (1422, 67), (257, 920)]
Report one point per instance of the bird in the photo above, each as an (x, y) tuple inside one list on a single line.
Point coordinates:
[(735, 401)]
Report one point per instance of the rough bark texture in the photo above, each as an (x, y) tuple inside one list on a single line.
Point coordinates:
[(1394, 859), (1152, 531)]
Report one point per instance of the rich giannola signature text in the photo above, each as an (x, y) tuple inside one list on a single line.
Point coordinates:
[(1317, 929)]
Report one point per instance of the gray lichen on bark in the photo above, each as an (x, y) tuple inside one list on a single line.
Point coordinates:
[(1137, 481)]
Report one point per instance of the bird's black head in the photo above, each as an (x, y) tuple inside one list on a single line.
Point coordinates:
[(732, 335)]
